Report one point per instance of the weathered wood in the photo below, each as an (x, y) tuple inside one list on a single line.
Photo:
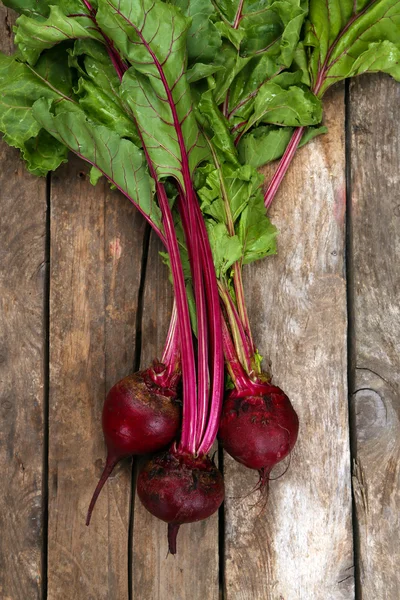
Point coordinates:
[(375, 152), (96, 244), (193, 572), (300, 545), (23, 272)]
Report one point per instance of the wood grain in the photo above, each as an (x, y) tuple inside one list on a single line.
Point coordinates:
[(300, 545), (96, 245), (193, 572), (375, 152), (23, 273)]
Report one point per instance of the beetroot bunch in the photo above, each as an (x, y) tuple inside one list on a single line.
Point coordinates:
[(177, 108), (205, 253)]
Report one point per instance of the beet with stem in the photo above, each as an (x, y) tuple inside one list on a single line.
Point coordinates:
[(139, 417), (258, 428), (179, 488)]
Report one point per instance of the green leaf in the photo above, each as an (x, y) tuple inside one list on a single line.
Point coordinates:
[(267, 143), (101, 108), (300, 63), (264, 144), (90, 58), (31, 8), (232, 197), (217, 127), (155, 87), (381, 56), (20, 87), (33, 36), (201, 71), (235, 36), (273, 27), (95, 175), (226, 249), (98, 89), (44, 153), (346, 39), (264, 43), (258, 26), (294, 106), (203, 40), (244, 88), (256, 232), (311, 133), (118, 159), (292, 15)]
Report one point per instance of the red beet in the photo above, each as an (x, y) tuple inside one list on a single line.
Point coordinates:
[(259, 430), (138, 417), (179, 488)]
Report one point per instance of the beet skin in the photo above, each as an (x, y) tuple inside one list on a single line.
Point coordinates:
[(179, 488), (138, 417), (259, 430)]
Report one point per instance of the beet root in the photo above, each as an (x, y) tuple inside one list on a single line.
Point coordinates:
[(259, 429), (139, 417), (179, 488)]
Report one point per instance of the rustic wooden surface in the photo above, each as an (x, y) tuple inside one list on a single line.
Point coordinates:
[(375, 216), (300, 545), (96, 245), (23, 274), (107, 316)]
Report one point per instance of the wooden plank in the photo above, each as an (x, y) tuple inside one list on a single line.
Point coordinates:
[(193, 572), (300, 546), (375, 152), (23, 274), (96, 244)]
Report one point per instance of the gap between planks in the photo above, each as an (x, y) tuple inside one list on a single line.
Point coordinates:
[(351, 344)]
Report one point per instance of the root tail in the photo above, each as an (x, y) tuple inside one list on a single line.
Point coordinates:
[(110, 464), (263, 488), (173, 529)]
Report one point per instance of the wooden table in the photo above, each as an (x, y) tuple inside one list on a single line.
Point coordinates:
[(85, 299)]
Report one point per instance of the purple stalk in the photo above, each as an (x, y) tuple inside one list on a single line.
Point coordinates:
[(283, 166), (189, 427), (241, 305), (88, 5), (184, 325), (238, 15), (166, 373), (171, 347), (118, 64), (189, 421), (214, 315), (171, 358), (240, 323), (193, 231), (234, 367), (244, 386), (297, 135), (243, 349), (202, 334)]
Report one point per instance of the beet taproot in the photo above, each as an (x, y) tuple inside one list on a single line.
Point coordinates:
[(179, 488), (139, 417), (258, 429)]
